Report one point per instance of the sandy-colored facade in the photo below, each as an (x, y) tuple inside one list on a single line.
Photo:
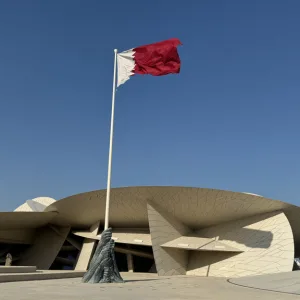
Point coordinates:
[(168, 230)]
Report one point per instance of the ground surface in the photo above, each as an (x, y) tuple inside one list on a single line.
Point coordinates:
[(283, 282), (137, 287)]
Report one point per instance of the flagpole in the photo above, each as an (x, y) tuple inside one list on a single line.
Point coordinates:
[(110, 143)]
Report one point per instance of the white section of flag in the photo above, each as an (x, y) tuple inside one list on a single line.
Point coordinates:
[(126, 64)]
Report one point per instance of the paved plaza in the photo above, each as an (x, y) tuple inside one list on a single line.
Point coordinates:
[(288, 282), (138, 287)]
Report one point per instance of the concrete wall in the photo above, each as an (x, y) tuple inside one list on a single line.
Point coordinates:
[(255, 245), (164, 228), (45, 248), (87, 249), (267, 242), (17, 236)]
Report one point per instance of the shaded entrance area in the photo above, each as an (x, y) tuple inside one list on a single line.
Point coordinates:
[(134, 258)]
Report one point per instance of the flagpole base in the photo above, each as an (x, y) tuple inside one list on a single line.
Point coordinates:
[(103, 267)]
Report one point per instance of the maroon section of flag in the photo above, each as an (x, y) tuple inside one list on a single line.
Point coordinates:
[(155, 59)]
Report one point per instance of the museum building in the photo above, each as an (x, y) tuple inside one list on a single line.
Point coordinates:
[(168, 230)]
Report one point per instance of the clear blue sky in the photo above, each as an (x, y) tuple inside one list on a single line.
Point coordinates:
[(229, 120)]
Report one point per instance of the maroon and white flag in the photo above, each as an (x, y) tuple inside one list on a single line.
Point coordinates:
[(155, 59)]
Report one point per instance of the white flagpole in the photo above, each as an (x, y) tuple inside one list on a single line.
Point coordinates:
[(110, 143)]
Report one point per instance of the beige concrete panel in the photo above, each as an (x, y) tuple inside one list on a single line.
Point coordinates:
[(195, 207), (200, 262), (40, 275), (87, 249), (17, 220), (126, 236), (218, 246), (17, 269), (45, 201), (164, 228), (187, 242), (199, 244), (130, 265), (293, 215), (267, 242), (132, 237), (46, 246), (85, 255), (87, 235), (17, 236), (127, 209), (69, 238)]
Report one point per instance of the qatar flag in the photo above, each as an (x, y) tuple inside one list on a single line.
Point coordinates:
[(155, 59)]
